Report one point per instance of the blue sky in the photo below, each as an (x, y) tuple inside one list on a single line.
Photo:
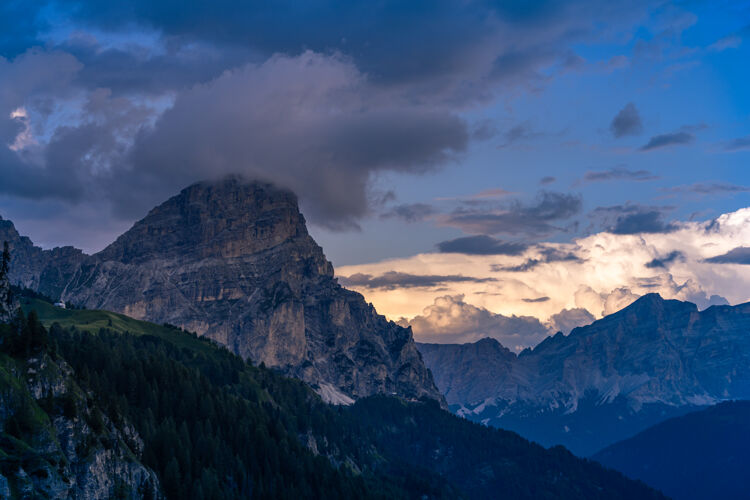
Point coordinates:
[(490, 129), (567, 126)]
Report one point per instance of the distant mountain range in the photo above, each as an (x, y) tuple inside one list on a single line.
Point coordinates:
[(704, 454), (604, 382), (232, 260)]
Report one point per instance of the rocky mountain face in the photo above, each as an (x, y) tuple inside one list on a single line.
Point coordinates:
[(7, 303), (233, 261), (604, 382), (55, 443), (45, 271)]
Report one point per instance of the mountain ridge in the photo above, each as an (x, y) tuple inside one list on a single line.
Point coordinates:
[(651, 360)]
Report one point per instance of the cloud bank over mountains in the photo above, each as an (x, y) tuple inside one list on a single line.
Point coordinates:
[(106, 109), (520, 297), (114, 107)]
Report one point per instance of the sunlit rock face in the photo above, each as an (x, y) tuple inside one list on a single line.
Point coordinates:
[(654, 359), (233, 261)]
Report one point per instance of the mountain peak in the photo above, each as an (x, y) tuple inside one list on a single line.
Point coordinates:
[(226, 219), (232, 260), (652, 302), (489, 341), (652, 297)]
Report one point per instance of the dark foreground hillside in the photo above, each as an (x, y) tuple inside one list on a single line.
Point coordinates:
[(704, 454), (212, 426)]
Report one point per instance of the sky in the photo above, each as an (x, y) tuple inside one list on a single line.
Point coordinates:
[(474, 168)]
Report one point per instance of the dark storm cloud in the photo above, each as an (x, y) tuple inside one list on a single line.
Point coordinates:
[(453, 51), (410, 212), (642, 222), (739, 255), (619, 173), (538, 299), (311, 123), (37, 78), (708, 188), (673, 139), (626, 122), (316, 97), (356, 28), (738, 144), (141, 70), (633, 219), (392, 280), (546, 255), (481, 245), (300, 122), (433, 44), (665, 261), (390, 41), (538, 218)]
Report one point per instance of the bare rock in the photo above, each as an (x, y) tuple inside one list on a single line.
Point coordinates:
[(233, 261)]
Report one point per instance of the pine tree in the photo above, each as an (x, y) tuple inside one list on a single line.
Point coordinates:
[(6, 295), (172, 479), (5, 264)]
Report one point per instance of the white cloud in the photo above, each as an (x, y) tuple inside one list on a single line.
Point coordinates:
[(24, 138), (567, 319), (609, 273), (451, 320)]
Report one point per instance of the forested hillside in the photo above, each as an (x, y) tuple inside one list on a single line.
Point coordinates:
[(704, 454), (213, 426)]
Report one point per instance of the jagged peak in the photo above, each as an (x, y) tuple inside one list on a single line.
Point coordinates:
[(488, 341), (654, 301), (229, 217), (484, 345)]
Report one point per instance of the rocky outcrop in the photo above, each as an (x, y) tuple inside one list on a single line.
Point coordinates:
[(654, 359), (45, 271), (469, 372), (7, 302), (57, 444), (233, 261)]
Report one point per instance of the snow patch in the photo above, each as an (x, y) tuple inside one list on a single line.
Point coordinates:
[(702, 400), (332, 395)]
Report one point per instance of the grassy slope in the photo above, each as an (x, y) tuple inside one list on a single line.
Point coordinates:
[(92, 321)]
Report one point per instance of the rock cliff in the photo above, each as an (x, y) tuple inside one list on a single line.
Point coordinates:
[(45, 271), (7, 303), (233, 261), (55, 443), (654, 359)]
